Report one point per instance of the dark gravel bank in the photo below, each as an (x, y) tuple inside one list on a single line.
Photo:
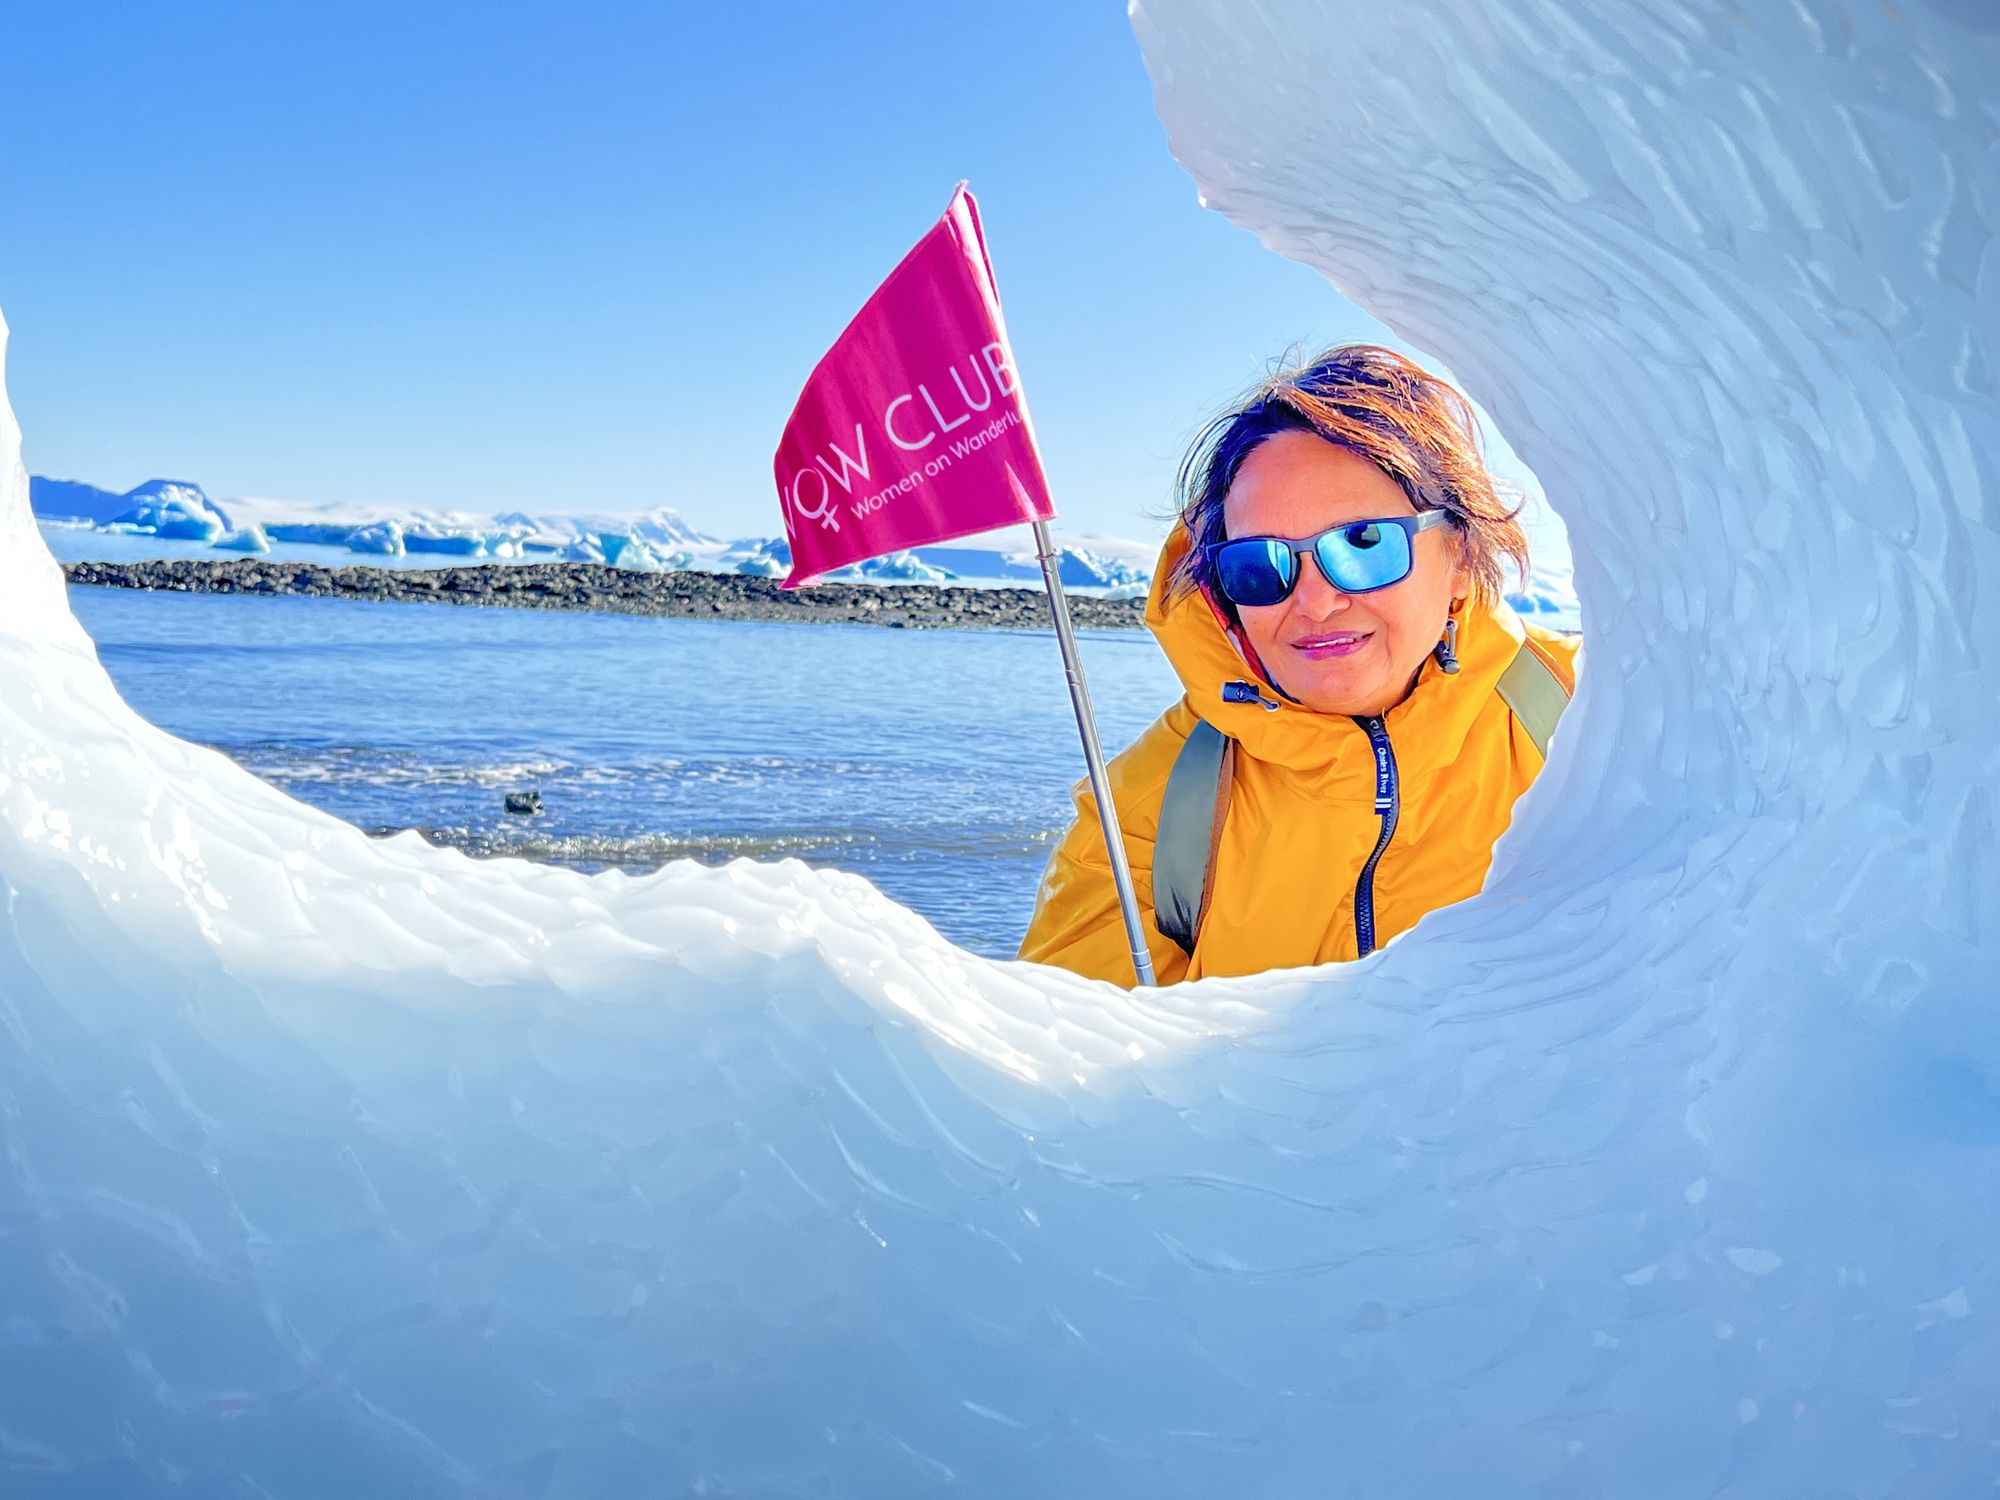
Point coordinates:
[(683, 596)]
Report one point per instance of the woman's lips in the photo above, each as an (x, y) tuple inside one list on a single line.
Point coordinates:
[(1331, 645)]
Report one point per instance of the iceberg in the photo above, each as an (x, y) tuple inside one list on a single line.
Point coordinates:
[(662, 528), (758, 557), (893, 567), (1666, 1166), (315, 533), (249, 539), (384, 539), (1077, 566), (168, 508), (446, 540), (588, 548), (637, 548), (632, 553)]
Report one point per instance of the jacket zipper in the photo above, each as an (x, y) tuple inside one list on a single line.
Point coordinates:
[(1388, 807)]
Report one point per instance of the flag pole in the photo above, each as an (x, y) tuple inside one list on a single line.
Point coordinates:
[(1093, 755)]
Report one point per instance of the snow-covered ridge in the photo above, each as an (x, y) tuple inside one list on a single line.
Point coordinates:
[(658, 540), (654, 541), (180, 510)]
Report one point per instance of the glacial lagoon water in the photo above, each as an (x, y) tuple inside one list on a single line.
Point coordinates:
[(936, 763)]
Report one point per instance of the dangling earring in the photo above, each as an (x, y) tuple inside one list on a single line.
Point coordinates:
[(1447, 649)]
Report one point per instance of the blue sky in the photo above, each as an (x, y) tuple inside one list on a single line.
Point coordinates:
[(584, 256)]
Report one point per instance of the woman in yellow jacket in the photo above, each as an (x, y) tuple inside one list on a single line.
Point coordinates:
[(1332, 601)]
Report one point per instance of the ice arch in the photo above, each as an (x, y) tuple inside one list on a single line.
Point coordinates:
[(1670, 1166)]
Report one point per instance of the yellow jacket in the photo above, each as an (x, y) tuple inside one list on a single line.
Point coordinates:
[(1302, 819)]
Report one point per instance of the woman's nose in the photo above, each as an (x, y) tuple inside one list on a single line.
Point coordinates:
[(1314, 597)]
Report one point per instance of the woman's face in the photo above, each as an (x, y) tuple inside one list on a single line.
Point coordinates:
[(1340, 653)]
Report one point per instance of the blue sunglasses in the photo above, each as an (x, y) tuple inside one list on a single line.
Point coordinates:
[(1356, 557)]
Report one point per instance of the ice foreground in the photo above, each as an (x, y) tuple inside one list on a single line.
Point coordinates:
[(1668, 1167)]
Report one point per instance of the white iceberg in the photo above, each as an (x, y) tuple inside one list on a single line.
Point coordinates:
[(170, 509), (248, 539), (661, 528), (316, 533), (383, 539), (585, 549), (1663, 1167), (1078, 566), (892, 567), (444, 538), (632, 553), (758, 557)]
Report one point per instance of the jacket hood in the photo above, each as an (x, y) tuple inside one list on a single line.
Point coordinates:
[(1426, 728)]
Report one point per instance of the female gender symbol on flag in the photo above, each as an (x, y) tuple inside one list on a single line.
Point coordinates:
[(912, 429)]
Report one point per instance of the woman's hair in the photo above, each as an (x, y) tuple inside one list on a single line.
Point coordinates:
[(1379, 405)]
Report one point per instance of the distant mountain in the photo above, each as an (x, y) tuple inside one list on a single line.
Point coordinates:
[(72, 500)]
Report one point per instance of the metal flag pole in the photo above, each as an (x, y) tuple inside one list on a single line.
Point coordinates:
[(1093, 755)]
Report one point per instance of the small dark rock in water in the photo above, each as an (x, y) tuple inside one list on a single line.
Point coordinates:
[(524, 802)]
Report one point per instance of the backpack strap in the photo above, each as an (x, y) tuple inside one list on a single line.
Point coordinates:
[(1534, 695), (1196, 804), (1192, 813)]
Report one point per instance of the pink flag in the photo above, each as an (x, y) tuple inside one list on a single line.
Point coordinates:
[(912, 429)]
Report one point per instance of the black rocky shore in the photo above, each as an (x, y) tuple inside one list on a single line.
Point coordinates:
[(593, 586)]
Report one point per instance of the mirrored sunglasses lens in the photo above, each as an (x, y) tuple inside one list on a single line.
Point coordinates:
[(1255, 571), (1364, 556)]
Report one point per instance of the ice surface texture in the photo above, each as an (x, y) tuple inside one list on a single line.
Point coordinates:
[(1670, 1166)]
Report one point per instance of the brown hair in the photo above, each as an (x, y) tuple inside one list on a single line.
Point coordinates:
[(1379, 405)]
